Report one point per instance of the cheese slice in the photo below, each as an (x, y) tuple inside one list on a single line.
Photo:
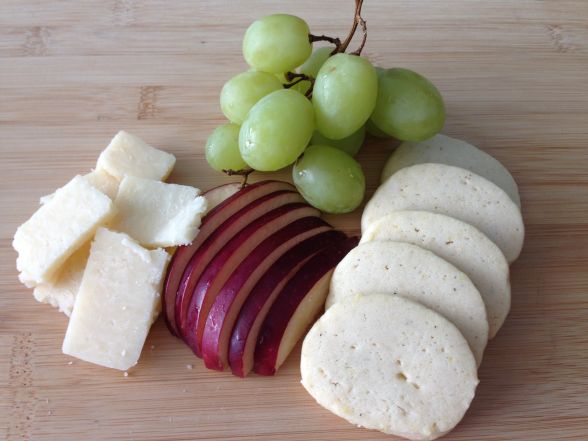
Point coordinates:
[(61, 292), (118, 300), (129, 155), (58, 228), (157, 214), (98, 179)]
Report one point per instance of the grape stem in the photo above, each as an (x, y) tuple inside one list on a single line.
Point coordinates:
[(245, 173), (333, 40), (294, 78), (357, 20)]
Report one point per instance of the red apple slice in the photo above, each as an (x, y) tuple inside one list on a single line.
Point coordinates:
[(216, 195), (260, 299), (296, 308), (217, 240), (210, 222), (227, 303), (224, 263)]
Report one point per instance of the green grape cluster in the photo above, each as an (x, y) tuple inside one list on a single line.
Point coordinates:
[(312, 108)]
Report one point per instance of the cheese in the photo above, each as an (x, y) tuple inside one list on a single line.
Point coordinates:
[(61, 292), (157, 214), (58, 228), (118, 300), (128, 155), (98, 179)]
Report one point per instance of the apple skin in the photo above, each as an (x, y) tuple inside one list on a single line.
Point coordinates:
[(217, 195), (226, 260), (227, 303), (217, 240), (210, 222), (260, 299), (305, 292)]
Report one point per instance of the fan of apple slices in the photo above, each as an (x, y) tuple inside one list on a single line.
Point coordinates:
[(246, 289)]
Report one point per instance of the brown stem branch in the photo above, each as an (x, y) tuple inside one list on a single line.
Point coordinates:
[(245, 173), (363, 38), (356, 20), (333, 40)]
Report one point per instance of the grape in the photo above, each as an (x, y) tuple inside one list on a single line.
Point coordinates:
[(312, 66), (409, 107), (241, 92), (344, 95), (222, 149), (329, 179), (314, 63), (374, 130), (277, 43), (277, 130), (349, 145)]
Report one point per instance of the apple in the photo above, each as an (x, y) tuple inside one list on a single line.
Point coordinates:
[(216, 195), (296, 307), (227, 303), (217, 240), (260, 299), (226, 260), (210, 222)]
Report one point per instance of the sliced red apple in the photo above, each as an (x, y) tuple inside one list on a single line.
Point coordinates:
[(256, 306), (227, 303), (217, 240), (210, 223), (296, 308), (226, 260), (216, 195)]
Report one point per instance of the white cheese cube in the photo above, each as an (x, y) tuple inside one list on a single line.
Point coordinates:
[(61, 292), (58, 228), (157, 214), (98, 179), (118, 300), (128, 155)]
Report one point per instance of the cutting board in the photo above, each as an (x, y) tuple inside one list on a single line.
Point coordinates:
[(515, 80)]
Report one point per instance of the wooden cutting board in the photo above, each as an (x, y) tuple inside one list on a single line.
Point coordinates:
[(515, 79)]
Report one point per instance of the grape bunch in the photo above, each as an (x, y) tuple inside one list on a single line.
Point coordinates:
[(312, 109)]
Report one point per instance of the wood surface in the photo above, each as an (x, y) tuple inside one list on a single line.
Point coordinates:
[(514, 75)]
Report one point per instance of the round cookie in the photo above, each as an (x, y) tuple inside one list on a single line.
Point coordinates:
[(455, 192), (387, 363), (460, 244), (443, 149), (404, 269)]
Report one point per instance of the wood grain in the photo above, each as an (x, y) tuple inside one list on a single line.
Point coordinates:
[(515, 79)]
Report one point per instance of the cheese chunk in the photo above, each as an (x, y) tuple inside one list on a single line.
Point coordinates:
[(389, 364), (98, 179), (118, 300), (157, 214), (129, 155), (61, 292), (58, 229)]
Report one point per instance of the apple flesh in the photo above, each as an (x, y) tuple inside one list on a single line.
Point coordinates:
[(260, 299), (216, 195), (227, 303), (217, 240), (210, 223), (226, 260), (296, 307)]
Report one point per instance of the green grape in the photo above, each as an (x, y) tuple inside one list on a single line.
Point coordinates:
[(374, 130), (349, 145), (329, 179), (344, 95), (277, 43), (318, 57), (277, 130), (222, 149), (241, 92), (409, 107)]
